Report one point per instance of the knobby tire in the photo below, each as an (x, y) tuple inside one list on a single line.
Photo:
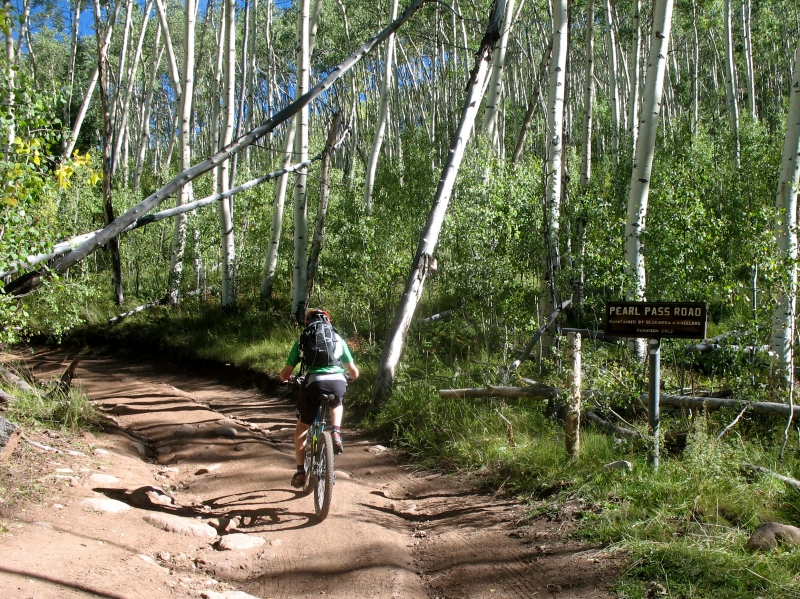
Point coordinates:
[(323, 488)]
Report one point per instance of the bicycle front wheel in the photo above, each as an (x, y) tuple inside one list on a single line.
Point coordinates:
[(323, 490)]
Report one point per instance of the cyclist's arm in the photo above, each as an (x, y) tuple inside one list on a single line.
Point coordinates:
[(352, 370), (292, 361), (286, 372)]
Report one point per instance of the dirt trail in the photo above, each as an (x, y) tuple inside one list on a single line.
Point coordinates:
[(202, 453)]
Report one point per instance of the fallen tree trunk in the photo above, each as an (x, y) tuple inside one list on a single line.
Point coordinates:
[(65, 246), (533, 392), (792, 482), (611, 428), (714, 403), (31, 280)]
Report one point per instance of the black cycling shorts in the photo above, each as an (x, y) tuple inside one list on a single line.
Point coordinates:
[(309, 401)]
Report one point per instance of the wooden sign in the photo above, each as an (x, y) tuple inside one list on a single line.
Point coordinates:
[(656, 320)]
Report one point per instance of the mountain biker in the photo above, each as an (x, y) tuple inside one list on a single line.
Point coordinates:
[(328, 379)]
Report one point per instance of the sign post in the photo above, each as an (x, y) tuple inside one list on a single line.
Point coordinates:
[(655, 321)]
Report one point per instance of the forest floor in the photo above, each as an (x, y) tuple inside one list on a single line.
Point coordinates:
[(211, 464)]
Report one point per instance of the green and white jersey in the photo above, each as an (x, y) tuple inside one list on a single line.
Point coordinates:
[(341, 353)]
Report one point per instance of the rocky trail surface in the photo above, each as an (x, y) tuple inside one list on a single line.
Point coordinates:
[(187, 494)]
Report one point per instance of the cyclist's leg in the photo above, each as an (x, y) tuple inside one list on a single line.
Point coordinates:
[(307, 406), (336, 389)]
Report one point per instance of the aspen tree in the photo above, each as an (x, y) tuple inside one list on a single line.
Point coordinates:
[(144, 135), (73, 50), (124, 99), (299, 270), (424, 262), (748, 58), (223, 175), (635, 68), (588, 98), (643, 159), (185, 155), (730, 82), (108, 206), (76, 128), (33, 279), (289, 157), (495, 88), (9, 38), (613, 92), (784, 317), (555, 142), (383, 115)]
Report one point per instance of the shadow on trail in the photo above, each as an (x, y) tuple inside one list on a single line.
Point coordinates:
[(62, 583)]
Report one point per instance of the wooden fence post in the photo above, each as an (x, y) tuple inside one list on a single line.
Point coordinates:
[(572, 422)]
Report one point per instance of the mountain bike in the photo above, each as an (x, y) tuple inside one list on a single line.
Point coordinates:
[(318, 460)]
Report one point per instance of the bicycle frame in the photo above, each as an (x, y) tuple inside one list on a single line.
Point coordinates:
[(318, 462)]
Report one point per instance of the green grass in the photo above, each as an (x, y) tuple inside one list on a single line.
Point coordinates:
[(683, 527), (69, 412)]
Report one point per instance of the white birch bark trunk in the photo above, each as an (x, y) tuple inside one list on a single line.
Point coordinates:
[(613, 75), (555, 140), (144, 136), (643, 160), (783, 320), (223, 182), (386, 90), (277, 214), (748, 59), (730, 82), (423, 260), (173, 63), (588, 98), (495, 90), (185, 156), (299, 270), (125, 99), (635, 68)]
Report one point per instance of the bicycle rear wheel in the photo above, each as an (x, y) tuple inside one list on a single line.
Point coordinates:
[(325, 477)]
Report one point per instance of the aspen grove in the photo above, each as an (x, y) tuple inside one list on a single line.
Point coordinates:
[(486, 160)]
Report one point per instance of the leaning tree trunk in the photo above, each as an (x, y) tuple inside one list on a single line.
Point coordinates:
[(494, 91), (786, 231), (299, 272), (423, 260), (383, 114), (555, 142), (108, 206), (643, 159), (185, 156), (223, 180), (33, 279)]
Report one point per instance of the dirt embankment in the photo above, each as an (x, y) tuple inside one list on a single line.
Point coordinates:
[(188, 494)]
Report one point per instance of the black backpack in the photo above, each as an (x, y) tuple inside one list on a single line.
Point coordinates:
[(318, 345)]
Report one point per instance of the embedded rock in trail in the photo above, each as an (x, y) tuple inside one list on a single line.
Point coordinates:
[(105, 505), (769, 535), (239, 542), (181, 526), (103, 479), (148, 496), (226, 595)]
